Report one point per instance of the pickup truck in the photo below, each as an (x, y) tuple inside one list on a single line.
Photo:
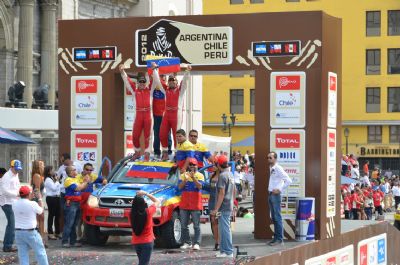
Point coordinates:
[(107, 211)]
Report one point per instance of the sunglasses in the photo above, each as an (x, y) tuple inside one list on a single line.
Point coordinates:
[(142, 81), (88, 169), (192, 165), (191, 135), (169, 80)]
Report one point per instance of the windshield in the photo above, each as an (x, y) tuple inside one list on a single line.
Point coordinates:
[(128, 174)]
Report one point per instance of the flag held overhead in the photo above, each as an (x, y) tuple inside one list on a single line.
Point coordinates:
[(165, 65)]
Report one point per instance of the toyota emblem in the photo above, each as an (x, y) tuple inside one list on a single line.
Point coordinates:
[(119, 202)]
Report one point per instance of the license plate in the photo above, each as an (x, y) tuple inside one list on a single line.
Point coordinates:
[(117, 212)]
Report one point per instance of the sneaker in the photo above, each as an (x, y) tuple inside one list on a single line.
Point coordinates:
[(224, 255), (146, 157), (66, 245), (52, 237), (77, 245), (164, 156), (275, 243), (196, 247), (186, 246), (12, 249)]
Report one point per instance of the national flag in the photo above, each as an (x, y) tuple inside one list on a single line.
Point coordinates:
[(80, 54), (275, 48), (150, 170), (94, 54), (290, 48), (165, 65), (106, 54)]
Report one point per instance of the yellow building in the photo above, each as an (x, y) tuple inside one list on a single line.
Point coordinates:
[(370, 81)]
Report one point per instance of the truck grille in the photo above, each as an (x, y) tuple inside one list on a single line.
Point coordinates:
[(115, 202)]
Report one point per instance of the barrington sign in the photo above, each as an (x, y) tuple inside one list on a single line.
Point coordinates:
[(288, 96), (289, 146), (86, 147), (193, 44), (86, 102)]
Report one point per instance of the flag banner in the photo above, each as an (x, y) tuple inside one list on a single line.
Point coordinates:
[(165, 65), (150, 170)]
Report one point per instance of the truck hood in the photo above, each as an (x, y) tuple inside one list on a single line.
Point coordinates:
[(129, 190)]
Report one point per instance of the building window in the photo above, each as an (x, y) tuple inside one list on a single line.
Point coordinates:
[(374, 134), (252, 100), (256, 1), (393, 22), (292, 0), (373, 23), (236, 2), (394, 131), (373, 62), (236, 101), (393, 99), (393, 61), (373, 99)]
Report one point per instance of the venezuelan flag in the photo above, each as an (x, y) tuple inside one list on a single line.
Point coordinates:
[(165, 65), (151, 170)]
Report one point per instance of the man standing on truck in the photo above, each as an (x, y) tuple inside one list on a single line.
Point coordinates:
[(191, 183)]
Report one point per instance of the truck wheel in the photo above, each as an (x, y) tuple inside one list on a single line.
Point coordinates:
[(171, 232), (94, 236)]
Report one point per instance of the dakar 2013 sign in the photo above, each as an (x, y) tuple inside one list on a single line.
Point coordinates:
[(193, 44)]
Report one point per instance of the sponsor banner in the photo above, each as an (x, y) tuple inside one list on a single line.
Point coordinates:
[(129, 110), (288, 99), (289, 146), (331, 173), (332, 99), (372, 251), (86, 102), (343, 256), (86, 147), (193, 44), (128, 143)]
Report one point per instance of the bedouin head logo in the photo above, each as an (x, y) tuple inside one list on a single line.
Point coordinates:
[(161, 44)]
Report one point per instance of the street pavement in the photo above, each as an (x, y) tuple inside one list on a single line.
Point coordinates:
[(118, 250)]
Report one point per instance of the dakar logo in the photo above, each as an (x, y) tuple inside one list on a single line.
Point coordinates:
[(161, 44), (86, 86)]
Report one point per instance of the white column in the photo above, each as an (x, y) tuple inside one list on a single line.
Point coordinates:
[(48, 70), (25, 47)]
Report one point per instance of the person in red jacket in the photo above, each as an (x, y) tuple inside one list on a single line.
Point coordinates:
[(142, 225), (142, 100), (172, 119), (378, 198)]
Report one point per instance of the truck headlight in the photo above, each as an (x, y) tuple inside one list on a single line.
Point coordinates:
[(157, 214), (93, 201)]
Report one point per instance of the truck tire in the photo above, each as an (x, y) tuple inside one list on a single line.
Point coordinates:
[(94, 236), (171, 232)]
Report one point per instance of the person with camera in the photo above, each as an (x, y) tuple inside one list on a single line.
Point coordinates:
[(191, 183), (26, 232), (142, 225), (53, 189)]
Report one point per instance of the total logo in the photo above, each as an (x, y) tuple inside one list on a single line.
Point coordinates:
[(290, 82), (86, 86), (129, 142), (287, 140), (332, 140), (363, 255), (86, 140)]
